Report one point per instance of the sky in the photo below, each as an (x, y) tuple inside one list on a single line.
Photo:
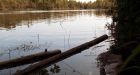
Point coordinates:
[(86, 0)]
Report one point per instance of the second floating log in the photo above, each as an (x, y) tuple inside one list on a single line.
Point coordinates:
[(28, 59)]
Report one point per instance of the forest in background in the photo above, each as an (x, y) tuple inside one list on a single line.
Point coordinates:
[(53, 4)]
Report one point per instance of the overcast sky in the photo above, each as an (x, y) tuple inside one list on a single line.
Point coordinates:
[(86, 0)]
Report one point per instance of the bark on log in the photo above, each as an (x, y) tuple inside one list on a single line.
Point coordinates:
[(27, 59), (60, 57)]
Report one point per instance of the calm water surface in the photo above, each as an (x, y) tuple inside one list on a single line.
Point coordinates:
[(27, 32)]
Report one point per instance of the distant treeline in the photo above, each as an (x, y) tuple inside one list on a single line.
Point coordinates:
[(52, 4)]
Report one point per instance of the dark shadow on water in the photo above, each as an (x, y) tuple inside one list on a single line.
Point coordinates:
[(53, 70)]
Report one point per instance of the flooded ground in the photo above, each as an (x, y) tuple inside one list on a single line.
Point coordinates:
[(28, 32)]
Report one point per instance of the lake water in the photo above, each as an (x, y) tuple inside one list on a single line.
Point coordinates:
[(28, 32)]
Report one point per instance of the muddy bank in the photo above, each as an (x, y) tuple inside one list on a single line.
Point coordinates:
[(120, 61)]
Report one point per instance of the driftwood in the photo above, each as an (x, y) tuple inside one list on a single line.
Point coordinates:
[(60, 57), (27, 59)]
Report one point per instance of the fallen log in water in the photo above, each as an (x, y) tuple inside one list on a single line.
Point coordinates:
[(59, 57), (27, 59)]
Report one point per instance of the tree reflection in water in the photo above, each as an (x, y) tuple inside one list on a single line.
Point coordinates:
[(12, 20)]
